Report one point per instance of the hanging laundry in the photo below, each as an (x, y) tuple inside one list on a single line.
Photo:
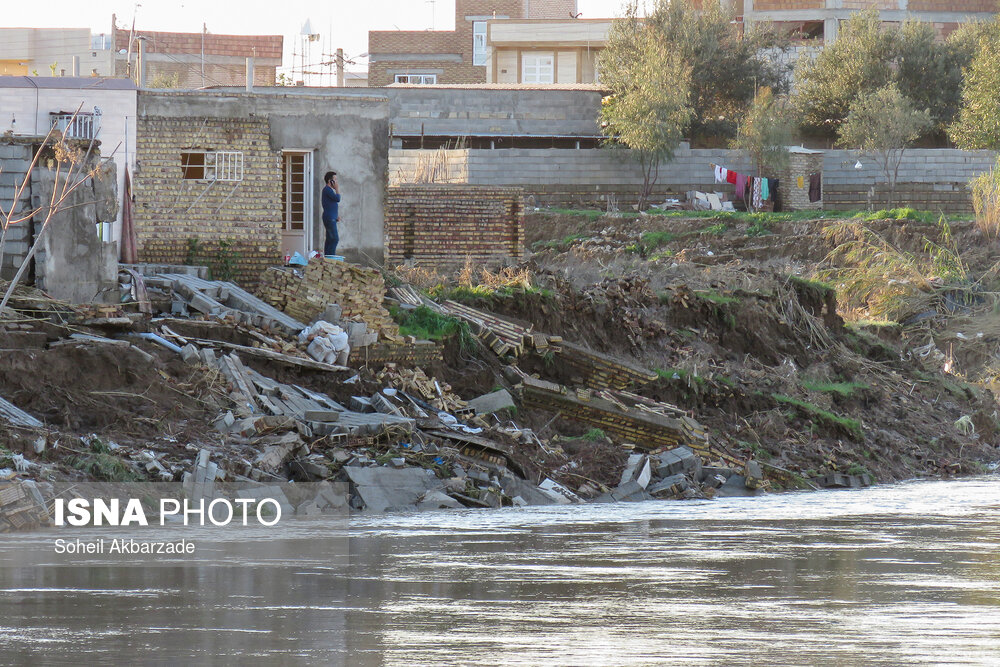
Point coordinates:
[(731, 177), (741, 187), (773, 184), (755, 199), (765, 192), (720, 174), (800, 182), (815, 187)]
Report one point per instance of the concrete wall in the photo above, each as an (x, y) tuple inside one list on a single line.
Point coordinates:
[(72, 263), (930, 178), (348, 134), (24, 110), (38, 48)]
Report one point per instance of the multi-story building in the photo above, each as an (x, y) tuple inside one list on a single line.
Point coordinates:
[(54, 52), (538, 51), (817, 21), (458, 56)]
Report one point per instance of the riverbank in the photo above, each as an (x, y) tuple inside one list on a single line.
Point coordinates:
[(750, 341)]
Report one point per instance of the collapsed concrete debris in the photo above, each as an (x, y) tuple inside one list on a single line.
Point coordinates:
[(22, 506)]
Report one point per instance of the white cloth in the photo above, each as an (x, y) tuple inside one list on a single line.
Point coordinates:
[(720, 174)]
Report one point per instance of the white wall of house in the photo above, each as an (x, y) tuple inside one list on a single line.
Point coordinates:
[(24, 111)]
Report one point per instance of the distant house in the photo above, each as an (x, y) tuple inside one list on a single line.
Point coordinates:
[(197, 59), (541, 52), (29, 106), (458, 56), (54, 52)]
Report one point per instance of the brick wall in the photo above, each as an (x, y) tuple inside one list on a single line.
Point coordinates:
[(950, 6), (170, 210), (549, 9), (447, 223), (189, 74), (795, 197), (191, 43), (780, 5)]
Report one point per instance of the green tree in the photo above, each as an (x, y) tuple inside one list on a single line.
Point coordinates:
[(978, 122), (649, 106), (868, 56), (882, 124), (765, 133), (728, 65)]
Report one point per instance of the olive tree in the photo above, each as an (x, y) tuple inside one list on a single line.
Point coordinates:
[(649, 107), (882, 124)]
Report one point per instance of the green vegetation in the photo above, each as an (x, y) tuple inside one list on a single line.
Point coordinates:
[(650, 102), (857, 469), (224, 262), (588, 213), (594, 435), (99, 463), (716, 298), (765, 132), (849, 427), (427, 324), (882, 124), (976, 126), (842, 389)]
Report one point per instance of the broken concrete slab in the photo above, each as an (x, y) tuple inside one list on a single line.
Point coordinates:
[(638, 469), (496, 401), (435, 500), (17, 416), (382, 489), (528, 492), (559, 493)]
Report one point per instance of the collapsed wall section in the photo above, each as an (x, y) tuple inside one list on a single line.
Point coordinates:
[(449, 223)]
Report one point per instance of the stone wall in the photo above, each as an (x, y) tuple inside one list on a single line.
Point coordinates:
[(448, 223), (173, 212)]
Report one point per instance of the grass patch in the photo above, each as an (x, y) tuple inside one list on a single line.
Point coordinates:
[(858, 469), (851, 427), (842, 389), (594, 435), (900, 214), (588, 213), (102, 465), (427, 324), (650, 241), (714, 230), (716, 298), (679, 375)]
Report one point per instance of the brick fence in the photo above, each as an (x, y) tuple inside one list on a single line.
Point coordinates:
[(447, 223)]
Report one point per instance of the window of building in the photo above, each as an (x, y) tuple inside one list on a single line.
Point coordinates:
[(479, 42), (293, 199), (212, 166), (420, 79), (537, 68)]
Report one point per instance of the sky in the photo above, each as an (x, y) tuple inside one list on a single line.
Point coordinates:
[(340, 23)]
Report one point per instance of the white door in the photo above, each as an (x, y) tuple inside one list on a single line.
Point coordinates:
[(296, 201)]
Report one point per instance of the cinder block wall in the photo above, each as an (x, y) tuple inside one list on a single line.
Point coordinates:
[(171, 210), (447, 223), (14, 159), (932, 179)]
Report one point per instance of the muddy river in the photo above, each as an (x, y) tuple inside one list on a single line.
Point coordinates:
[(893, 575)]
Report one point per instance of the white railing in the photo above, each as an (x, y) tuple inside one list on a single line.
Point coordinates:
[(224, 166), (83, 126)]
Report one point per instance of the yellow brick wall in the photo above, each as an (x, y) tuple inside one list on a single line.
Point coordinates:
[(170, 210)]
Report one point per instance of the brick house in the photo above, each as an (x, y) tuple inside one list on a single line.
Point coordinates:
[(454, 56), (237, 176), (199, 59)]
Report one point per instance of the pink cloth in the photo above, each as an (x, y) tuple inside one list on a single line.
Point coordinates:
[(741, 187)]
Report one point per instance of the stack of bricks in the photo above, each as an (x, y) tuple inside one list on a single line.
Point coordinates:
[(421, 353), (231, 222), (438, 224), (646, 429), (599, 370), (359, 292)]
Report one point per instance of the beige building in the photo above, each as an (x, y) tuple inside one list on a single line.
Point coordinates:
[(54, 52), (544, 52)]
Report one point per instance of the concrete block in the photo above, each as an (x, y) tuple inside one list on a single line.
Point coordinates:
[(190, 354), (670, 486), (493, 402)]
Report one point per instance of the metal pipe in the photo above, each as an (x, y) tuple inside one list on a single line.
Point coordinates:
[(156, 338)]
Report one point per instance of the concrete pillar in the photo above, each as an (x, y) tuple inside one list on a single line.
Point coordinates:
[(340, 68), (76, 66), (249, 74), (830, 30), (141, 81)]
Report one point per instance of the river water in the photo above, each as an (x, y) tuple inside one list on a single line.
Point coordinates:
[(892, 575)]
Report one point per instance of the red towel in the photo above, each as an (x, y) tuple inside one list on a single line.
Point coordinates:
[(731, 177)]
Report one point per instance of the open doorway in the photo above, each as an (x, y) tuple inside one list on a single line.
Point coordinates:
[(296, 202)]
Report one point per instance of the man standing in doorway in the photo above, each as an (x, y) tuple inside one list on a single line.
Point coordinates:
[(331, 212)]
